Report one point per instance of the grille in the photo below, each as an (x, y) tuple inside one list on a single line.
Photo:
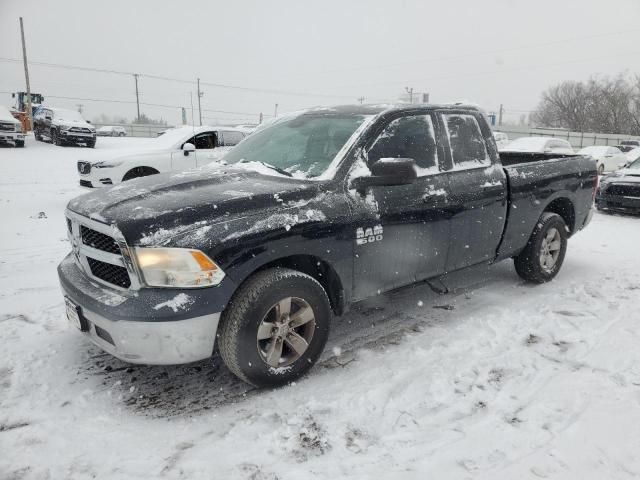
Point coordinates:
[(84, 167), (113, 274), (79, 130), (7, 127), (99, 240), (624, 190)]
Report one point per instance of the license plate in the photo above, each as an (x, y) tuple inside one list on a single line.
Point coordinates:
[(73, 313)]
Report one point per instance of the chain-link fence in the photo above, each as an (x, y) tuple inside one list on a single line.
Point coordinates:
[(576, 139)]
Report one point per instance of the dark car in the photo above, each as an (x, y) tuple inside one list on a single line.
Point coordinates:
[(308, 215), (63, 127), (620, 190)]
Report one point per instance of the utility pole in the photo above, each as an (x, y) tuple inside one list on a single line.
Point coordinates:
[(26, 76), (500, 115), (275, 112), (135, 76), (200, 94), (260, 121), (79, 105), (360, 99), (410, 92)]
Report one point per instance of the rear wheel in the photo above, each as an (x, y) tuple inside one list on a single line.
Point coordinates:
[(541, 259), (275, 327)]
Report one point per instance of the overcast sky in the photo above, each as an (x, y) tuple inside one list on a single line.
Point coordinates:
[(312, 53)]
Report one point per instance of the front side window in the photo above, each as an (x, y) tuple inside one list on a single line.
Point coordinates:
[(408, 137), (204, 141), (468, 149), (303, 145)]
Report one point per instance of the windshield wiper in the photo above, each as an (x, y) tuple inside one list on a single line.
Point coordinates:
[(268, 165)]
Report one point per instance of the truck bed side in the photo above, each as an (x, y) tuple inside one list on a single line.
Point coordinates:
[(539, 183)]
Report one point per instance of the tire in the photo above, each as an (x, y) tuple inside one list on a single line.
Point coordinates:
[(91, 144), (122, 134), (55, 138), (19, 143), (534, 263), (601, 169), (138, 172), (254, 308), (36, 134)]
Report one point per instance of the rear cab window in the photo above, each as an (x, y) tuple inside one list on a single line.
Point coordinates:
[(231, 138), (467, 144)]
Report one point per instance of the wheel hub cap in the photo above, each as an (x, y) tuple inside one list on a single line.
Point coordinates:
[(550, 250), (285, 332)]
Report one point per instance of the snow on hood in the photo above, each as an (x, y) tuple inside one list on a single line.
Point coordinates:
[(5, 115), (153, 210)]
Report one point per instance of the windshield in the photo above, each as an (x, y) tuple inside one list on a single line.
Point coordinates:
[(68, 115), (634, 165), (303, 145)]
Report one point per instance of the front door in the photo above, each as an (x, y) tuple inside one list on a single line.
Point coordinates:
[(401, 232), (478, 200)]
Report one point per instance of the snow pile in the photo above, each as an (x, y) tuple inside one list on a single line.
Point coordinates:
[(177, 303)]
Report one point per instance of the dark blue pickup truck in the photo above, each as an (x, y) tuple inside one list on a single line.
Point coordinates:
[(256, 254)]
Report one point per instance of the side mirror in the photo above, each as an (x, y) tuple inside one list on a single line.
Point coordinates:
[(387, 172), (188, 148), (88, 121), (47, 118)]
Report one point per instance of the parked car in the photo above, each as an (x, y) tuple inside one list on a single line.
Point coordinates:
[(307, 215), (178, 149), (539, 145), (627, 145), (62, 127), (111, 131), (10, 128), (620, 190), (608, 158), (502, 139)]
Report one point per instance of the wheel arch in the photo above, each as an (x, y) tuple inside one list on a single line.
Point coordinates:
[(564, 207), (139, 171), (317, 268)]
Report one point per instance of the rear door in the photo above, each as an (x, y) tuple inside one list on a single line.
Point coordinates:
[(478, 191), (403, 238)]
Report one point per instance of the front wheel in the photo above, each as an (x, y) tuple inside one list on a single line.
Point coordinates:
[(55, 138), (541, 259), (275, 327)]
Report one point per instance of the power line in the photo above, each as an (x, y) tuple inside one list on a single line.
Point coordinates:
[(179, 80)]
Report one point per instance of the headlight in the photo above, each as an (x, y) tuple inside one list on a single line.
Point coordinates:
[(107, 164), (65, 127), (177, 267)]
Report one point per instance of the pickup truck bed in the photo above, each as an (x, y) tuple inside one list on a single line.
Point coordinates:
[(308, 215)]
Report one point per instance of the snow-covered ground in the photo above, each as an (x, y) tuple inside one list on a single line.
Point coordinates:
[(496, 380)]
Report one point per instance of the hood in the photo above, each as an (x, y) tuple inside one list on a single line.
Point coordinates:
[(626, 175), (153, 209), (74, 123)]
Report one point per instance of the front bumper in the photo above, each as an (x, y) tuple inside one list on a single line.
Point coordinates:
[(77, 136), (618, 203), (11, 136), (146, 326)]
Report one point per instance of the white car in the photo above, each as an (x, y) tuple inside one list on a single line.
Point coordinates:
[(608, 158), (539, 145), (111, 131), (178, 149), (633, 155), (502, 139), (10, 128)]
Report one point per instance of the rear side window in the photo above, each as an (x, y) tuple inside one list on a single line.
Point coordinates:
[(408, 137), (468, 149), (203, 141), (229, 138)]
